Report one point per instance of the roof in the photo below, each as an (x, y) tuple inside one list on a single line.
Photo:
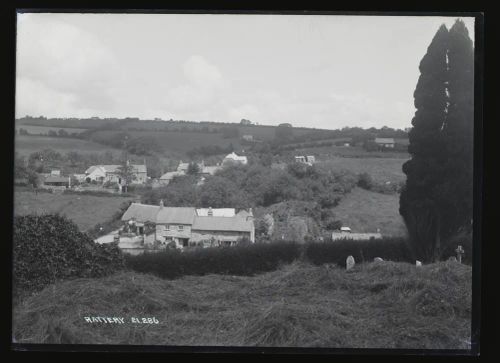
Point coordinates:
[(170, 175), (384, 140), (217, 212), (210, 169), (345, 229), (56, 179), (136, 168), (180, 215), (223, 224), (141, 212), (235, 157)]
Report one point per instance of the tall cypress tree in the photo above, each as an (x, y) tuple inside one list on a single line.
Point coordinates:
[(418, 205), (436, 202), (456, 191)]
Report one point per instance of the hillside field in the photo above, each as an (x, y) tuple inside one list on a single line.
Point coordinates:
[(366, 211), (27, 144), (374, 305), (43, 130), (382, 170), (85, 210)]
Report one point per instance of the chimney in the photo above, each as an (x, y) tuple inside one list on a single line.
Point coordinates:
[(161, 203)]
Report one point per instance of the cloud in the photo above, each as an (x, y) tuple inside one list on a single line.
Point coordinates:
[(70, 66)]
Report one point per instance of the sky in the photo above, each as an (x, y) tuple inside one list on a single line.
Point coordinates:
[(319, 71)]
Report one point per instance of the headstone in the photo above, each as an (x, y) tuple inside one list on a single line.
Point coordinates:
[(378, 259), (418, 263), (460, 251), (350, 262), (452, 259)]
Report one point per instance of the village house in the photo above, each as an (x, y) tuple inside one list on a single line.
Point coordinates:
[(385, 142), (182, 169), (187, 226), (111, 173), (234, 159), (247, 137), (309, 160)]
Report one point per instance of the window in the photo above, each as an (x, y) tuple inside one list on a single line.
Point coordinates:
[(181, 228), (167, 227)]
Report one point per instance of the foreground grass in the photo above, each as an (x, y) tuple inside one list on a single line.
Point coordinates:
[(374, 305)]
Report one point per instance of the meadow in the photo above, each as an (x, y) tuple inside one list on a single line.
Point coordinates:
[(27, 144), (382, 170), (374, 305), (85, 210), (366, 211)]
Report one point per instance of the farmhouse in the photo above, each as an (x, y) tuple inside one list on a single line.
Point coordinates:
[(186, 226), (111, 173), (385, 142), (233, 158), (247, 137)]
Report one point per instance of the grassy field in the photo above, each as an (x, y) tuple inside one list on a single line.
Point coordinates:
[(85, 210), (381, 169), (26, 145), (327, 152), (374, 305), (366, 211)]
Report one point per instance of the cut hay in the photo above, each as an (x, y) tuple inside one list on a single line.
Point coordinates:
[(374, 305)]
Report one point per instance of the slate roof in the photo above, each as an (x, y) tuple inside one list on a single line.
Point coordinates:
[(56, 179), (384, 140), (141, 212), (216, 212), (223, 224), (178, 215), (171, 174)]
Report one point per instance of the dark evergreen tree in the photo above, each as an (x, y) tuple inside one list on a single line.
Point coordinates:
[(418, 206), (456, 191), (436, 202)]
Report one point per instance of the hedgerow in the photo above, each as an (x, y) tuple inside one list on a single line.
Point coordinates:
[(49, 247)]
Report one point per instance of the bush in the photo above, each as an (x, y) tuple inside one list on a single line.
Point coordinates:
[(236, 260), (49, 248), (393, 249), (365, 181)]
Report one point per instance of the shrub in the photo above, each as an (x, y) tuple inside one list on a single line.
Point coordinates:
[(365, 181), (48, 248), (242, 259), (394, 249)]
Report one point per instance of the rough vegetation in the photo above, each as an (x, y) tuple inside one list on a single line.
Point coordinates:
[(375, 305), (49, 248)]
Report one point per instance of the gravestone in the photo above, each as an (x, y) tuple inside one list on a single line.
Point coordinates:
[(378, 259), (349, 263), (418, 263), (452, 259), (460, 251)]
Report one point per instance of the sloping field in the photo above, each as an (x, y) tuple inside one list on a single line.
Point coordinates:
[(26, 145), (85, 210), (381, 169), (366, 211), (376, 305)]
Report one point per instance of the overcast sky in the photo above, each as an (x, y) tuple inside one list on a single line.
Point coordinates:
[(314, 71)]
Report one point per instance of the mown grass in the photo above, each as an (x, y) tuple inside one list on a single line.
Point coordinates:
[(373, 305)]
